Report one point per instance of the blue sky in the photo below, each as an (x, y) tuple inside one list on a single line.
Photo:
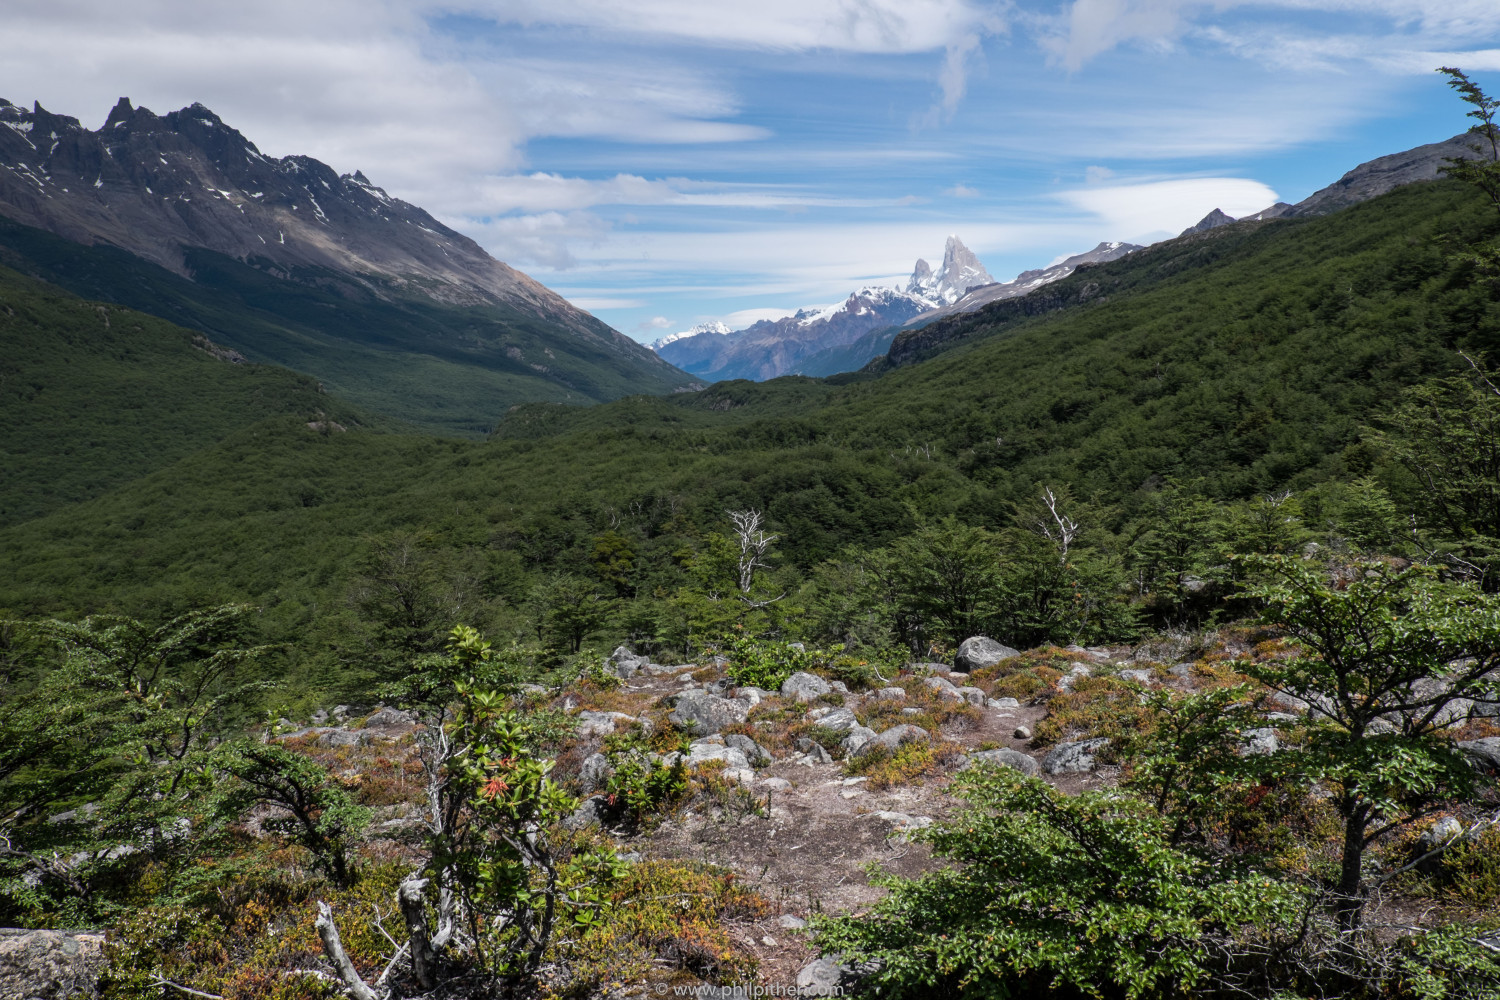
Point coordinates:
[(670, 162)]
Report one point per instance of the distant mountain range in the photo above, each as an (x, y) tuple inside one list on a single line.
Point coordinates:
[(189, 194), (846, 337)]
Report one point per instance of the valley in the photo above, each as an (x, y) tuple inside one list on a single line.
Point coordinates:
[(375, 623)]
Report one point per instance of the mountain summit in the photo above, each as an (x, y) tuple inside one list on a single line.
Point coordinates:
[(188, 193), (960, 272)]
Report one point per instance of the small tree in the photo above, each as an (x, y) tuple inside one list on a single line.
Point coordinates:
[(1061, 895), (319, 814), (1483, 171), (501, 872), (1389, 660)]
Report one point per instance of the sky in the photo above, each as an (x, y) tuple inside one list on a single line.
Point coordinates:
[(666, 163)]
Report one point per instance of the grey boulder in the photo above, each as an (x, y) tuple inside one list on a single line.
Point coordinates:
[(803, 686), (893, 739), (704, 712), (757, 755), (1013, 759), (1074, 758), (623, 663), (980, 651)]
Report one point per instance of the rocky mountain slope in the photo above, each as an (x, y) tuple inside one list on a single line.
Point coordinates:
[(191, 195)]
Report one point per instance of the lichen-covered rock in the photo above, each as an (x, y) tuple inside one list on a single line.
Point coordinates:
[(1074, 758), (705, 712), (803, 686), (600, 723), (50, 965), (1014, 759), (980, 651), (595, 771), (891, 694), (840, 720), (893, 739), (943, 687), (757, 755), (623, 663)]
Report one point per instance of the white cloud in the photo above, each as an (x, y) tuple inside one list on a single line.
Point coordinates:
[(878, 26), (1137, 211), (1097, 175), (961, 191), (1415, 30)]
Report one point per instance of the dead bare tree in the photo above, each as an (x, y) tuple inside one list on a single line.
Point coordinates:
[(754, 543), (1061, 530)]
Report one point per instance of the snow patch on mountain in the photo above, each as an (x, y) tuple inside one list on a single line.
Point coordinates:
[(714, 327)]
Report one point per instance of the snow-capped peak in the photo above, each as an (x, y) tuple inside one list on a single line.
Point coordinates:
[(714, 327)]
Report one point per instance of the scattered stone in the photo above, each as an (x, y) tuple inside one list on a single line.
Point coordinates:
[(595, 772), (343, 738), (590, 811), (41, 965), (753, 695), (929, 668), (894, 738), (840, 720), (1137, 676), (757, 755), (839, 686), (791, 923), (1074, 758), (891, 694), (341, 712), (703, 712), (1014, 759), (817, 713), (851, 793), (623, 663), (943, 687), (858, 737), (817, 755), (804, 687), (768, 941), (1003, 703), (702, 753), (913, 710), (320, 717), (1183, 670), (1483, 754), (901, 821), (973, 695), (1022, 733), (1259, 742), (600, 723), (821, 977), (775, 784), (1445, 831), (981, 651)]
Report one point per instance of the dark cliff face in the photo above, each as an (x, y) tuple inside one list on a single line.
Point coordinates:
[(159, 186)]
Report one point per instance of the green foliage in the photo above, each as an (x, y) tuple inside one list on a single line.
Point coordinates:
[(321, 816), (1446, 435), (126, 727), (642, 786), (1056, 893), (1377, 673), (1483, 171)]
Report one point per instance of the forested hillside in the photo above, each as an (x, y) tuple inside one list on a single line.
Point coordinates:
[(1188, 563)]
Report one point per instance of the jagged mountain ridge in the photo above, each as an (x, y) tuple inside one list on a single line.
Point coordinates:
[(846, 336), (193, 196)]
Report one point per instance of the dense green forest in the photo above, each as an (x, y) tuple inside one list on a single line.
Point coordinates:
[(1269, 449), (1227, 368)]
